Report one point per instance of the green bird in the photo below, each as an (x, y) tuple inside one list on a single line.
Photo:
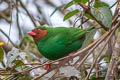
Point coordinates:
[(55, 43)]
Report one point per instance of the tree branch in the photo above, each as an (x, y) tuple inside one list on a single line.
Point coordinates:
[(31, 17), (87, 10)]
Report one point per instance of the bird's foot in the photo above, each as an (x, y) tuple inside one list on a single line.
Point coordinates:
[(71, 54), (47, 67)]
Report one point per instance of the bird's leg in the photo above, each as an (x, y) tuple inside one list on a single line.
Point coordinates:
[(70, 55), (68, 59), (47, 67)]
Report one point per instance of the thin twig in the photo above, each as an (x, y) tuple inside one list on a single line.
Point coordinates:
[(54, 74), (31, 17), (75, 21), (101, 51), (2, 15), (43, 19), (110, 49), (117, 9), (83, 22), (112, 64), (89, 3), (115, 19), (113, 5), (52, 68), (7, 37), (11, 8), (17, 18), (87, 10), (37, 77), (33, 63), (101, 40)]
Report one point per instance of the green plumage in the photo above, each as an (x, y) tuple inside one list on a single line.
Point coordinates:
[(61, 41)]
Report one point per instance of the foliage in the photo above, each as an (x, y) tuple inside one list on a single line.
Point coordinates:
[(1, 51), (1, 54), (70, 14), (103, 14)]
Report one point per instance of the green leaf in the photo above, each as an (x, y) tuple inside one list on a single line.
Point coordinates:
[(100, 4), (107, 59), (77, 1), (99, 78), (103, 14), (24, 78), (102, 31), (107, 20), (70, 14), (93, 77), (1, 54), (119, 29), (82, 1), (87, 15), (73, 2), (97, 13), (18, 63), (69, 4), (89, 37)]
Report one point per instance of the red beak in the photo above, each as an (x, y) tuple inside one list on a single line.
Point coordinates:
[(31, 33)]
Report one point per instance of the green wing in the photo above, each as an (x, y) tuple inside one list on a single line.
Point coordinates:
[(65, 35)]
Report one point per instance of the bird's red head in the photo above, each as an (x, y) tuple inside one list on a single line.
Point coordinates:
[(38, 33)]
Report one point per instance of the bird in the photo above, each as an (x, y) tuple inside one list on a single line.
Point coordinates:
[(57, 42)]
